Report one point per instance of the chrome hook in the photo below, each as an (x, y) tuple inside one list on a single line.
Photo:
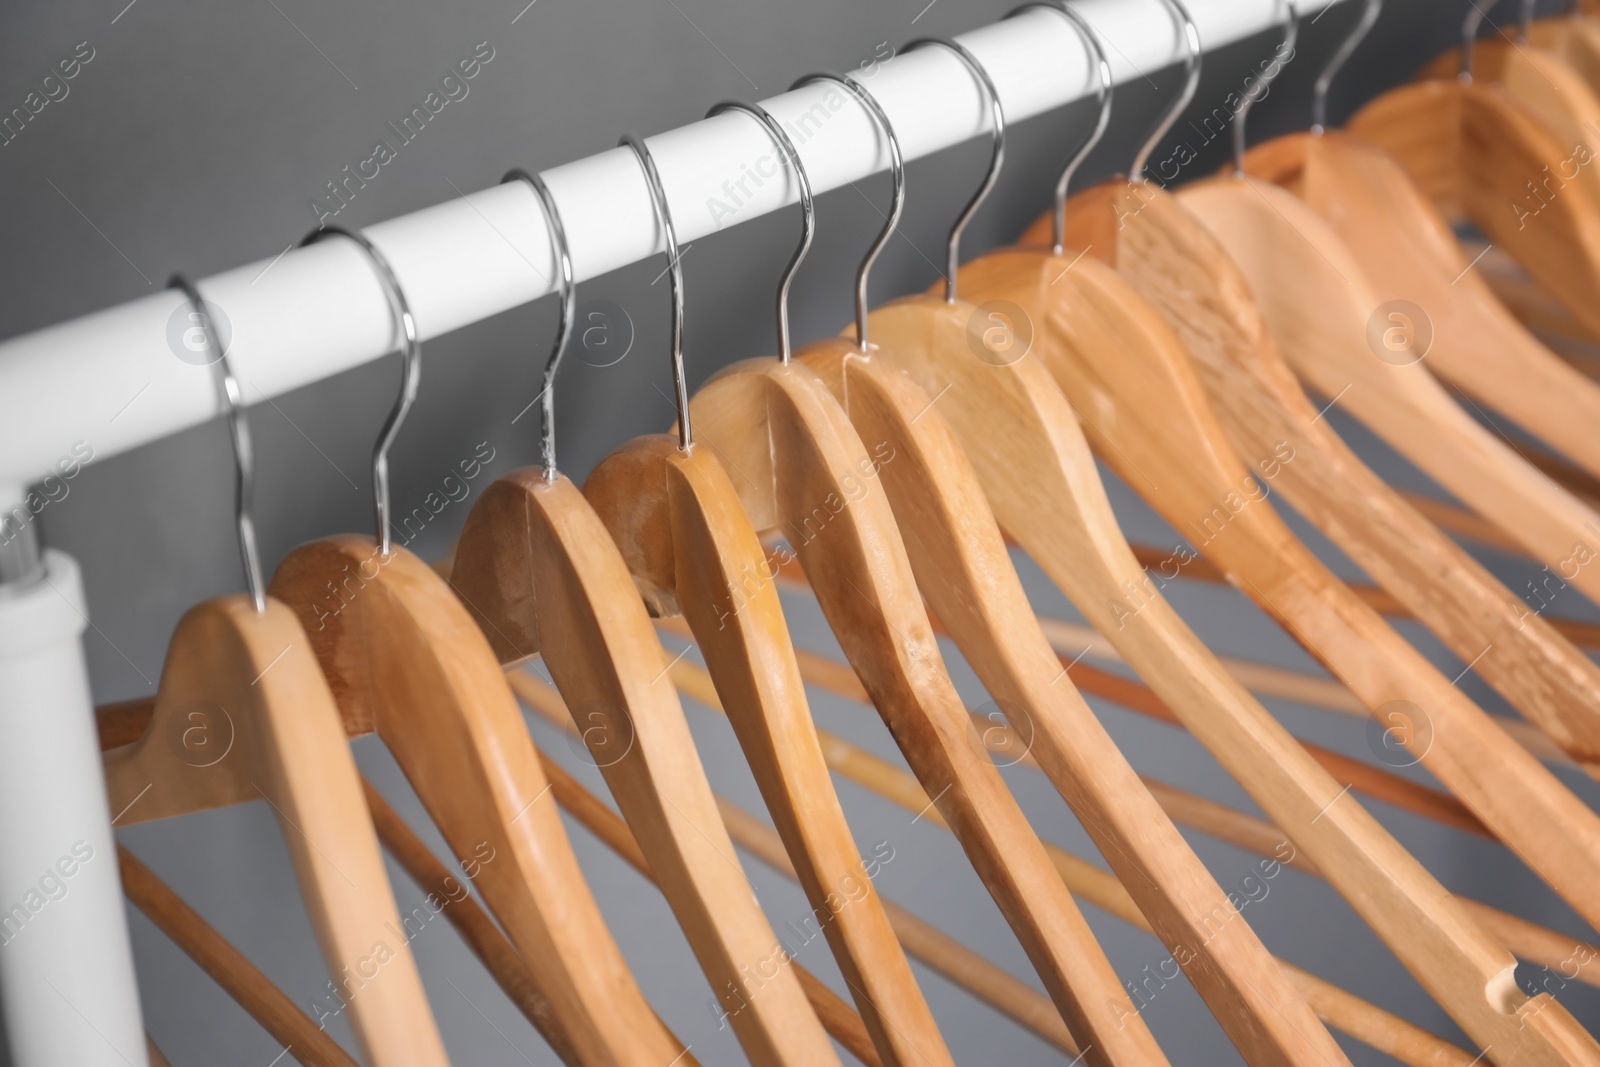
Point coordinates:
[(1319, 96), (808, 211), (410, 371), (244, 458), (997, 156), (568, 291), (658, 199), (897, 168), (1191, 37), (1291, 32)]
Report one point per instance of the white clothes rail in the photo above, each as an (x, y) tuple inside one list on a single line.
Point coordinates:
[(110, 379)]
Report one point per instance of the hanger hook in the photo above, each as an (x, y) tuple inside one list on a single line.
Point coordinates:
[(1291, 32), (658, 198), (1091, 42), (997, 157), (808, 211), (410, 370), (1525, 23), (1476, 13), (558, 237), (244, 457), (1319, 96), (1191, 38), (897, 203)]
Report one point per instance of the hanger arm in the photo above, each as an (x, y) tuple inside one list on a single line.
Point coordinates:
[(691, 549)]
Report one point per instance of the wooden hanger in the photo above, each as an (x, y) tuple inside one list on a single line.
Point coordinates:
[(1475, 148), (1180, 267), (405, 660), (801, 469), (676, 518), (1025, 442), (1165, 251), (243, 713), (962, 567), (540, 574)]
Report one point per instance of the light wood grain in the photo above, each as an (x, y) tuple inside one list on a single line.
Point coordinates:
[(800, 468), (1029, 451), (403, 658), (243, 713), (963, 569), (536, 562), (691, 549), (1181, 267)]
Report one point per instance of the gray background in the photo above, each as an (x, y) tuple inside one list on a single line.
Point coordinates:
[(194, 140)]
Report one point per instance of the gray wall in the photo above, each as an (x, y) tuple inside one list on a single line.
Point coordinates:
[(195, 138)]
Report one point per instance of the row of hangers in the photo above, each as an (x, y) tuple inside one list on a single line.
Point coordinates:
[(885, 471)]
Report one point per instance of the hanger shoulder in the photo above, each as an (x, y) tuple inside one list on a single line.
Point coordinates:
[(964, 570), (242, 714), (1144, 408), (1503, 146), (604, 656), (1421, 126), (701, 558), (403, 657), (1255, 394), (1041, 499), (1407, 251), (832, 510), (1331, 344)]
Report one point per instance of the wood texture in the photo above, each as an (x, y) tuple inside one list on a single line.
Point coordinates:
[(678, 521), (242, 714), (534, 562), (403, 658), (1025, 441), (963, 569), (237, 976), (1497, 148), (800, 468), (1182, 268)]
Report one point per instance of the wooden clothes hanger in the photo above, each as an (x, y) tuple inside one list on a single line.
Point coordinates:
[(1114, 356), (1025, 442), (801, 469), (963, 569), (1183, 270), (540, 574), (1475, 149), (405, 660), (1409, 251), (677, 520), (243, 713)]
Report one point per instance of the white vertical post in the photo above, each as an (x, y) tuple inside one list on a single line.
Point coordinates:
[(66, 967)]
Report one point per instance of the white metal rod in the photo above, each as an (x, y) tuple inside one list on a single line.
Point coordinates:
[(112, 380)]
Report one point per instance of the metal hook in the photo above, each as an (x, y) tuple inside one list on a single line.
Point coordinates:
[(1319, 96), (808, 211), (244, 457), (1525, 23), (997, 157), (897, 203), (658, 198), (1191, 37), (1470, 26), (410, 371), (1091, 41), (1291, 32), (558, 237)]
